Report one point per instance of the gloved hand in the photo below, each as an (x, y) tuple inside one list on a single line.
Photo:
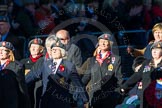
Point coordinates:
[(120, 90)]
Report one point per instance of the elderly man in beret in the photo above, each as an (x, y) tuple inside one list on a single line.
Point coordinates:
[(103, 74), (56, 75)]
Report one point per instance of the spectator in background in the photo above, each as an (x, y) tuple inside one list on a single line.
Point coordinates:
[(44, 18), (7, 35), (74, 53), (58, 11), (108, 13), (26, 20), (157, 33), (147, 14), (156, 12), (135, 19)]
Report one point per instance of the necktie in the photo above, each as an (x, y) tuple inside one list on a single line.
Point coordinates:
[(54, 67)]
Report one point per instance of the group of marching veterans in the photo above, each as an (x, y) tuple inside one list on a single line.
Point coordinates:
[(53, 76)]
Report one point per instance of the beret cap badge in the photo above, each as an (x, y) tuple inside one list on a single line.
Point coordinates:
[(36, 41), (106, 36), (3, 43)]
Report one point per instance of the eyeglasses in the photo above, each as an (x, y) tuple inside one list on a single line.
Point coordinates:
[(63, 38)]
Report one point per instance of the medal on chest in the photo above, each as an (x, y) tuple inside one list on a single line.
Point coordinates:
[(110, 67), (146, 69)]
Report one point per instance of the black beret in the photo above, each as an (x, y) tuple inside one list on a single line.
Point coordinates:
[(157, 45), (7, 45), (58, 44), (36, 41), (4, 19), (105, 36), (138, 61)]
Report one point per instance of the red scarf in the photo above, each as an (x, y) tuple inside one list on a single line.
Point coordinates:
[(4, 65), (35, 59), (100, 59)]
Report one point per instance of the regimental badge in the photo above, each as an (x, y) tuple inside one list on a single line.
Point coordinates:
[(105, 36), (3, 43), (113, 60), (146, 69), (36, 41), (110, 67), (158, 93), (61, 81)]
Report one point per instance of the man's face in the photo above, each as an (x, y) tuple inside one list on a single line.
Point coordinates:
[(56, 53), (4, 27), (63, 38)]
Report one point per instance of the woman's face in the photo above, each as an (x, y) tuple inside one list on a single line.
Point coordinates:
[(56, 53), (158, 35), (156, 53), (35, 49), (104, 45), (4, 53)]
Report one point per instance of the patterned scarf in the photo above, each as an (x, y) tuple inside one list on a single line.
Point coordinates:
[(100, 59), (4, 65)]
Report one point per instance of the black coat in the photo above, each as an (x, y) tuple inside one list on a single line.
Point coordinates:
[(8, 90), (50, 83), (144, 74), (16, 80), (34, 88), (103, 81)]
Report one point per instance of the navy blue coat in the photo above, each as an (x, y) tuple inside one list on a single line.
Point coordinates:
[(53, 83)]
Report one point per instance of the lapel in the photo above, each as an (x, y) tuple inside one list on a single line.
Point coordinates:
[(48, 64), (62, 70)]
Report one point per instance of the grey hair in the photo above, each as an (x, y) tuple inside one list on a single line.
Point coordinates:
[(50, 40)]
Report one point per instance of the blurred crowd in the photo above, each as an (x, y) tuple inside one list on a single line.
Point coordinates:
[(55, 74), (33, 17)]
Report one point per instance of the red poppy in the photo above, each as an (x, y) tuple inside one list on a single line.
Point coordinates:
[(61, 68)]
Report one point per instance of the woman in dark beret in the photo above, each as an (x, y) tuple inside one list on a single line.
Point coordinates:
[(7, 61)]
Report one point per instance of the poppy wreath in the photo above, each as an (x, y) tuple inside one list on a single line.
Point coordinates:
[(61, 68), (150, 96)]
